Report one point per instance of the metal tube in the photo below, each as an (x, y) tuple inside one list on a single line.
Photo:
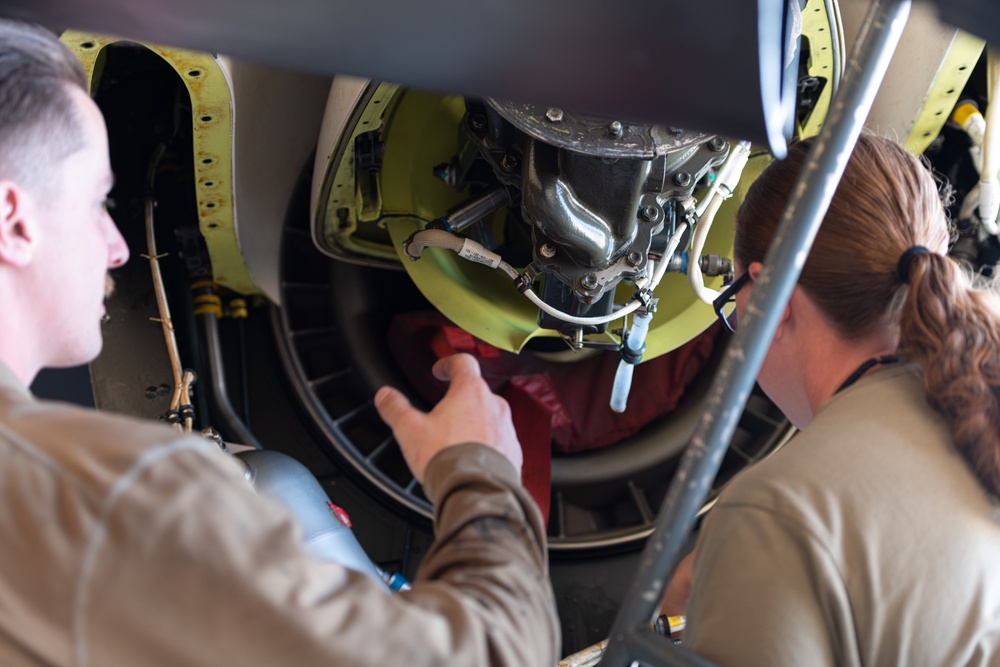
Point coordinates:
[(477, 208), (218, 396), (810, 199)]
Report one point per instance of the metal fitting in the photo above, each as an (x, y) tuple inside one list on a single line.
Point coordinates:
[(553, 114), (682, 179), (634, 258), (589, 281), (547, 251), (717, 144), (615, 129)]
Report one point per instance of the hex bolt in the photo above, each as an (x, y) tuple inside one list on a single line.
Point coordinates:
[(553, 114), (650, 213), (589, 281), (634, 258), (509, 162), (548, 251), (615, 129), (717, 144), (682, 179)]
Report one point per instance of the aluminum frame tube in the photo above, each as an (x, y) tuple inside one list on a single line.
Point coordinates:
[(744, 355)]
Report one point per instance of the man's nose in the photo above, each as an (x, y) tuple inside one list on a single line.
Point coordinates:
[(117, 248)]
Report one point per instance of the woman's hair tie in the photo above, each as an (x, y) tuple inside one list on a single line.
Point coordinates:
[(903, 266)]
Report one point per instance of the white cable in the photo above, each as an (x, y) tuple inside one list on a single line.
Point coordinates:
[(728, 176), (721, 190), (472, 251), (695, 277), (630, 307)]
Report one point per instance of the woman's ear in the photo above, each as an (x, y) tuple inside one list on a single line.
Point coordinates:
[(17, 226), (754, 270)]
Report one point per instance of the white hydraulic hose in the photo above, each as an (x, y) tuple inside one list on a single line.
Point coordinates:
[(635, 342), (721, 190), (989, 186)]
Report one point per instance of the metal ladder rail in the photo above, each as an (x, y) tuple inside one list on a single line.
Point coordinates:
[(631, 637)]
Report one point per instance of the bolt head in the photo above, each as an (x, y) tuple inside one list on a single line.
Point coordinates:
[(553, 114), (547, 251), (589, 281), (615, 129), (682, 179), (717, 144), (650, 212), (634, 258)]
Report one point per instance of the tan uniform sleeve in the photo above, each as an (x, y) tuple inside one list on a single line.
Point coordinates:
[(765, 593), (194, 569)]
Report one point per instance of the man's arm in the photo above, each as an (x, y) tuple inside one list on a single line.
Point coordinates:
[(194, 569)]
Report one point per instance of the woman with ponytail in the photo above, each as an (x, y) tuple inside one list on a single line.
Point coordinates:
[(873, 537)]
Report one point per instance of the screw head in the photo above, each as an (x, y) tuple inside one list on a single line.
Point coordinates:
[(615, 129), (553, 114), (548, 251), (634, 258), (510, 162), (478, 122), (650, 212), (589, 281), (682, 179)]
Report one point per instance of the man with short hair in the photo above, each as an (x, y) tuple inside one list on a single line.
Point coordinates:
[(124, 542)]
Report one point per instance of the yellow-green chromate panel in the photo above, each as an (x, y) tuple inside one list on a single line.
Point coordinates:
[(954, 73), (212, 122)]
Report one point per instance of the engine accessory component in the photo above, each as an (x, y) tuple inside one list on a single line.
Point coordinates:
[(593, 194)]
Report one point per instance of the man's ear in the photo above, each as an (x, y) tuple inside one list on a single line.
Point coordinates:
[(17, 226)]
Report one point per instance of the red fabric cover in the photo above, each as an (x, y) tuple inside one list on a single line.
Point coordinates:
[(557, 407)]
